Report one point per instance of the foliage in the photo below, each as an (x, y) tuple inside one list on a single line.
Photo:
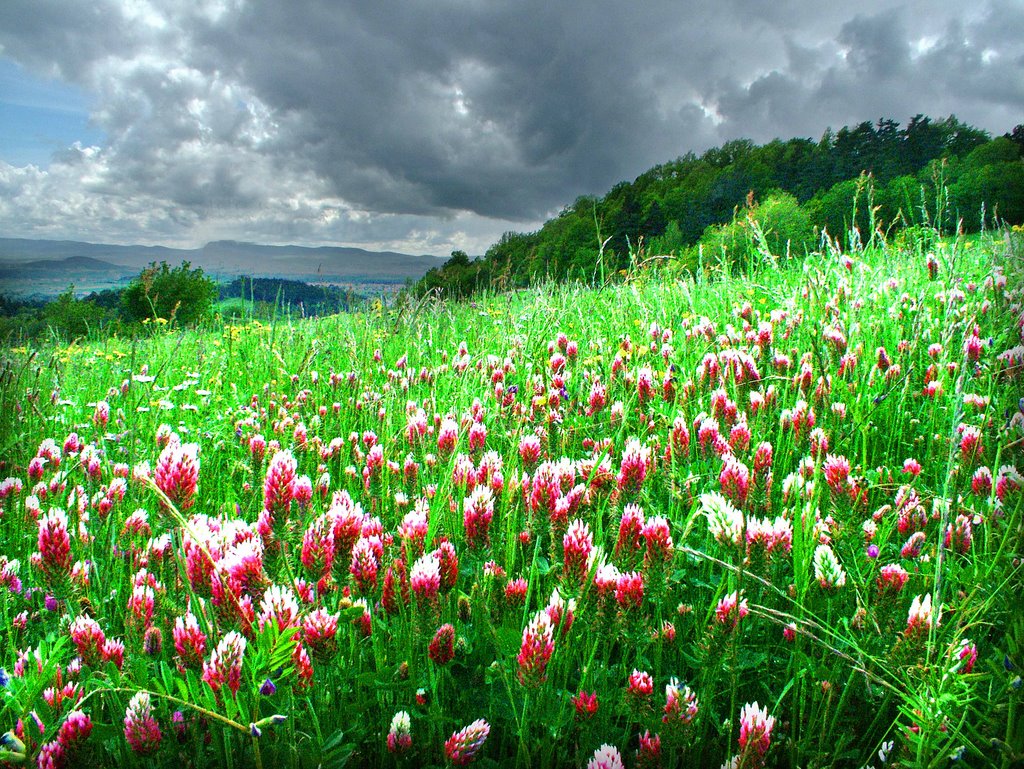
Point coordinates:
[(895, 174), (265, 294), (670, 499), (71, 317), (772, 230), (180, 294)]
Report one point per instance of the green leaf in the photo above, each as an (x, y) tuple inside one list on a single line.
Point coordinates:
[(335, 751)]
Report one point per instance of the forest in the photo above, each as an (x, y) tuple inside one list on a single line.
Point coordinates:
[(872, 178)]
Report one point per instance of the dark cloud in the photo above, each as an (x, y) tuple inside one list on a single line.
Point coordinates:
[(441, 124)]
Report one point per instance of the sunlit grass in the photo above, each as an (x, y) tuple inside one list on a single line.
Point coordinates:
[(897, 365)]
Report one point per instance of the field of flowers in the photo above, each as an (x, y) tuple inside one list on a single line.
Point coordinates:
[(769, 521)]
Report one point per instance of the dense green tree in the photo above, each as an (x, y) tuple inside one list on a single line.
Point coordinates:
[(960, 138), (993, 178), (71, 317), (833, 209), (924, 174), (1017, 137), (180, 294), (785, 224)]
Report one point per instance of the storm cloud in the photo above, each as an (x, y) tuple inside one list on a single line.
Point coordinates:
[(427, 126)]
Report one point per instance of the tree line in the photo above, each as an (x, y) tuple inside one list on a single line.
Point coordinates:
[(162, 295), (875, 176)]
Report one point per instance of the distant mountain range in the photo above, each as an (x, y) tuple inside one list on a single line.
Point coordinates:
[(47, 267)]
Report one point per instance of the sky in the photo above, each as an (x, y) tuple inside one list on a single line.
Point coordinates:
[(425, 126)]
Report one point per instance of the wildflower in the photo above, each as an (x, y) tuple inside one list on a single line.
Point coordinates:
[(585, 704), (177, 474), (442, 646), (755, 730), (1008, 480), (54, 545), (461, 748), (140, 606), (318, 547), (303, 667), (971, 447), (577, 546), (679, 438), (515, 591), (140, 728), (153, 641), (734, 480), (113, 651), (640, 685), (959, 534), (400, 733), (280, 607), (981, 482), (76, 729), (606, 757), (629, 590), (919, 618), (681, 705), (477, 437), (973, 347), (268, 688), (478, 510), (966, 655), (658, 539), (649, 754), (827, 571), (630, 530), (892, 578), (536, 650), (725, 522), (730, 610), (364, 565), (529, 450), (278, 485), (836, 469), (364, 622), (914, 545), (912, 467), (560, 612), (426, 578), (189, 641), (88, 638), (449, 564), (597, 399), (319, 631), (771, 537), (101, 414), (635, 466), (224, 667), (447, 435), (52, 755)]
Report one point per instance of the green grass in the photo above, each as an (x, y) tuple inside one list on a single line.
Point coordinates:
[(851, 679)]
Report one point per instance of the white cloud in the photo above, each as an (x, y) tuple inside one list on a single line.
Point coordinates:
[(429, 127)]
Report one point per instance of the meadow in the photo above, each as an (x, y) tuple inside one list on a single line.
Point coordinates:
[(744, 521)]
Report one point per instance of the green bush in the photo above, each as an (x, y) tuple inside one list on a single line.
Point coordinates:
[(70, 317), (182, 294)]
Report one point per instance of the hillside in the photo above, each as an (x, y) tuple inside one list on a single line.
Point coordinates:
[(47, 267), (943, 174), (764, 520)]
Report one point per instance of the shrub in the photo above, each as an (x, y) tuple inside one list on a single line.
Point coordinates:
[(181, 294)]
